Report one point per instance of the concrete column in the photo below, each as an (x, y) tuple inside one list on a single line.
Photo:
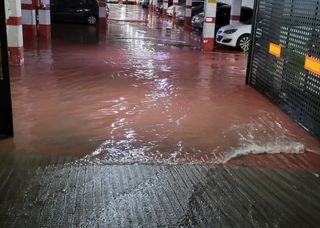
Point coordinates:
[(155, 5), (187, 19), (29, 22), (14, 31), (165, 7), (102, 13), (175, 7), (151, 5), (235, 11), (208, 33), (44, 19)]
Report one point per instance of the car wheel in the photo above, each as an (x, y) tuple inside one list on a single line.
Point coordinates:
[(92, 20), (244, 42)]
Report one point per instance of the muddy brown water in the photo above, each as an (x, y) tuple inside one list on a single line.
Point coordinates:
[(138, 91)]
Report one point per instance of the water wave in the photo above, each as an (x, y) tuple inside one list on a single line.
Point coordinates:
[(261, 136)]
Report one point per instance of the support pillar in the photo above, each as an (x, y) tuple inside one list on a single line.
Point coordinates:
[(29, 22), (14, 32), (44, 19), (187, 19), (235, 11), (155, 5), (174, 14), (102, 13), (209, 25), (165, 7)]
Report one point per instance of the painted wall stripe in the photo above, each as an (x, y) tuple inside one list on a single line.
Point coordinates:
[(26, 2), (188, 12), (235, 18), (210, 20), (14, 21), (102, 3), (102, 12), (44, 17), (28, 17), (27, 6), (15, 38), (208, 31)]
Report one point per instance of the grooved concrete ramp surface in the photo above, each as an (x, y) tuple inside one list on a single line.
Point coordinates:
[(77, 194)]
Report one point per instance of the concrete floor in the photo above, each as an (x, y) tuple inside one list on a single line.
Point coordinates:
[(134, 126)]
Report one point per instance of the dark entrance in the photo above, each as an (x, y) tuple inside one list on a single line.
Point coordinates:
[(6, 123), (284, 63)]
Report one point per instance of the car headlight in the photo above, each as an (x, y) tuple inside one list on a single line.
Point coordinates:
[(230, 31)]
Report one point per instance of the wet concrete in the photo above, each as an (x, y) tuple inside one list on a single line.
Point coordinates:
[(66, 194), (94, 99)]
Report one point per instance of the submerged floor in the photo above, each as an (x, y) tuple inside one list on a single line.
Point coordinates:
[(133, 125)]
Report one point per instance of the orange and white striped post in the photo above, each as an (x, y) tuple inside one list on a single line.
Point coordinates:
[(187, 19), (175, 8), (29, 21), (14, 32), (235, 11), (209, 25), (165, 7), (44, 19)]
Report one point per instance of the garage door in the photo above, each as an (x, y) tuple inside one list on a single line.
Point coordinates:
[(6, 128), (284, 63)]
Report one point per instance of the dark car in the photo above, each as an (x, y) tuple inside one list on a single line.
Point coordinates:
[(160, 5), (197, 7), (223, 16), (145, 3), (76, 11)]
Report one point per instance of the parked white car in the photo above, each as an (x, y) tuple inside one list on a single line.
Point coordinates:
[(237, 35), (170, 10)]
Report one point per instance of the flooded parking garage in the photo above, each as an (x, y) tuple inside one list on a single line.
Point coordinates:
[(135, 126)]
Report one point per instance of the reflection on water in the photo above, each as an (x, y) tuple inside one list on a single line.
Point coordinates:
[(139, 93)]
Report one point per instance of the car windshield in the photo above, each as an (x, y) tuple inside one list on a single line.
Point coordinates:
[(248, 22)]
